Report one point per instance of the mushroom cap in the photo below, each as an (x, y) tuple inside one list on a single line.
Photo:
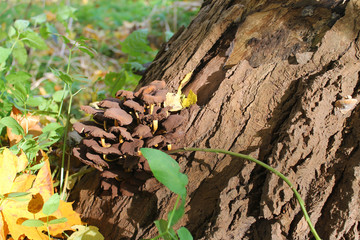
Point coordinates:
[(132, 148), (94, 145), (159, 84), (142, 131), (159, 96), (110, 103), (134, 105), (145, 90), (97, 159), (118, 114), (125, 94), (92, 129), (121, 131), (80, 154), (91, 110), (155, 141), (172, 122)]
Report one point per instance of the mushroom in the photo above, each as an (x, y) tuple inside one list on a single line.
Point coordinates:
[(93, 131), (132, 148), (91, 110), (122, 132), (80, 152), (142, 131), (172, 122), (110, 103), (145, 90), (125, 94), (134, 105), (158, 84), (97, 159), (118, 114), (154, 142), (94, 145)]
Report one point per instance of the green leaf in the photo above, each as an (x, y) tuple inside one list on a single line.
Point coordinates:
[(58, 96), (13, 124), (41, 18), (184, 234), (52, 204), (57, 221), (86, 233), (166, 170), (65, 12), (36, 167), (161, 225), (65, 78), (11, 31), (35, 101), (20, 53), (115, 81), (18, 77), (33, 40), (17, 194), (178, 213), (33, 223), (4, 54), (51, 127), (87, 51), (21, 24), (136, 43)]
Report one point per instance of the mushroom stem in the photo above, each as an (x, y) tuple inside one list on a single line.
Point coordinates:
[(139, 153), (116, 123), (151, 108), (155, 125), (137, 117), (104, 144), (169, 147), (105, 128), (108, 160), (121, 140)]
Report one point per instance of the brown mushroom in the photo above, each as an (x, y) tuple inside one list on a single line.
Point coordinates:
[(134, 105), (79, 153), (94, 145), (93, 130), (91, 110), (172, 122), (97, 159), (142, 131), (145, 90), (158, 84), (110, 103), (155, 141), (125, 94), (132, 148), (121, 131), (118, 114)]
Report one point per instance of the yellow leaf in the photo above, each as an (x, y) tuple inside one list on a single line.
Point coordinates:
[(184, 81), (8, 170), (14, 211), (43, 183), (191, 99), (86, 233), (173, 100)]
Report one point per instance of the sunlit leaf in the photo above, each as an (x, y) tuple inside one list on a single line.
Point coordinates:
[(13, 125), (184, 234), (57, 221), (19, 53), (52, 204), (191, 99), (33, 40), (166, 170), (21, 25), (86, 233), (33, 223), (4, 54)]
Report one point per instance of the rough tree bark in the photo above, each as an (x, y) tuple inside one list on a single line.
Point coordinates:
[(267, 74)]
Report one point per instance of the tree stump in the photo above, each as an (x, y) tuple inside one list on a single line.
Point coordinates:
[(267, 75)]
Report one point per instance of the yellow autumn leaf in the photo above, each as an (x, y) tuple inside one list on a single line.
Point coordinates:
[(13, 213), (191, 99), (173, 100)]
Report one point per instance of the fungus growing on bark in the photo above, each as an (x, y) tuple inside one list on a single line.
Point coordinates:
[(121, 126), (118, 114)]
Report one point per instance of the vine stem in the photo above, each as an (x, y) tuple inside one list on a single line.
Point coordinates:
[(277, 173)]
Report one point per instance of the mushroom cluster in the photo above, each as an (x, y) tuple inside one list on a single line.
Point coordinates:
[(119, 128)]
